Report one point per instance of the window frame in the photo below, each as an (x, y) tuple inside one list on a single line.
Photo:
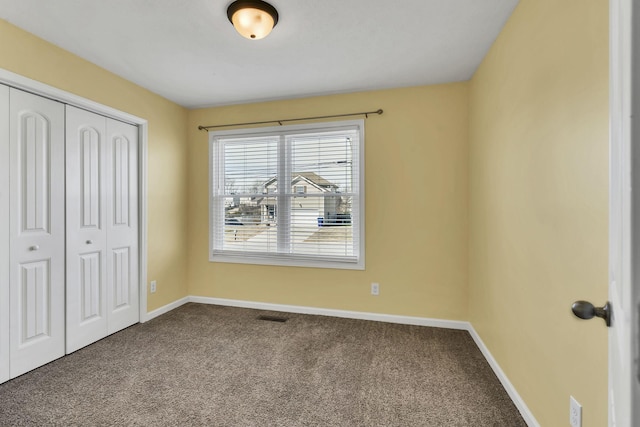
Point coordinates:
[(282, 259)]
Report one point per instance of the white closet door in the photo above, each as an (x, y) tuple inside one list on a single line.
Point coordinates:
[(86, 228), (37, 234), (4, 233), (102, 227), (122, 225)]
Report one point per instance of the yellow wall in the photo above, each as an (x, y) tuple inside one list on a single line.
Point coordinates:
[(416, 208), (539, 204), (27, 55)]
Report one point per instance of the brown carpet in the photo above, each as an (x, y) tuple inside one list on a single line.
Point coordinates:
[(206, 365)]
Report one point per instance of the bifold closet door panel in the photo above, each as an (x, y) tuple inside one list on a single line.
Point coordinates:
[(4, 233), (86, 228), (37, 231), (122, 225)]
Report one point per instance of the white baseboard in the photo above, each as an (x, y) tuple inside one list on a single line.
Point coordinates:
[(164, 309), (511, 390), (389, 318)]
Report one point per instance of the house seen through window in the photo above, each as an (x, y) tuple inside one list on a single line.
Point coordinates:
[(315, 219)]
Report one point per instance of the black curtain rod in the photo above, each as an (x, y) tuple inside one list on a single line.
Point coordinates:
[(364, 113)]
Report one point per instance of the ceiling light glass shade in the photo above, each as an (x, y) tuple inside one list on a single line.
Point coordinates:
[(253, 19)]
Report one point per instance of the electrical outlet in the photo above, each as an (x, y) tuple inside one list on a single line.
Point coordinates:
[(375, 289), (153, 286), (575, 412)]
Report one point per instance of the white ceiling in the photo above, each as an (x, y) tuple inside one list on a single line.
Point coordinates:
[(188, 52)]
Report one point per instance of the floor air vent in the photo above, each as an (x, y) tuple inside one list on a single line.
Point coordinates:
[(273, 318)]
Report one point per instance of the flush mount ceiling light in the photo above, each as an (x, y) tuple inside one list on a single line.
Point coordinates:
[(253, 19)]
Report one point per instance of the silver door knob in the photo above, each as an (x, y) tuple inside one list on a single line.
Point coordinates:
[(586, 310), (89, 242), (34, 248)]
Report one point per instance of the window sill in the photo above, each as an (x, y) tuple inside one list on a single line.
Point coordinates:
[(286, 261)]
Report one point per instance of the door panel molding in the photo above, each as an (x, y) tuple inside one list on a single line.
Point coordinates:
[(34, 296), (91, 287), (90, 159), (34, 154)]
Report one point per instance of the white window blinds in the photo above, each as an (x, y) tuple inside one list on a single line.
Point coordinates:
[(290, 195)]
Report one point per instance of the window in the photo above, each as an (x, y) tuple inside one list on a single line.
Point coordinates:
[(316, 219)]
